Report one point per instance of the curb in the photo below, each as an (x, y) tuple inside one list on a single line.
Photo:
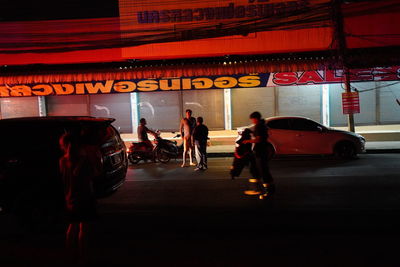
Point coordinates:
[(383, 151), (369, 151)]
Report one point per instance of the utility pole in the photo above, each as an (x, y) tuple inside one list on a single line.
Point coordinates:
[(341, 46)]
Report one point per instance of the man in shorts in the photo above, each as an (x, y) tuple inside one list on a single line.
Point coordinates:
[(186, 128)]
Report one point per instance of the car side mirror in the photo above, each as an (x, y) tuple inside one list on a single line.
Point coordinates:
[(320, 129)]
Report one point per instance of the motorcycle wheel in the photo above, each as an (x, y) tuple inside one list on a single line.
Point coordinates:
[(163, 156), (134, 159)]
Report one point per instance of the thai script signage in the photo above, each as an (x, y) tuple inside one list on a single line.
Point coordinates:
[(231, 10), (198, 83), (164, 29), (136, 85)]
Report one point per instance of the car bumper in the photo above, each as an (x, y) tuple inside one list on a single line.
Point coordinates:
[(110, 182), (361, 146)]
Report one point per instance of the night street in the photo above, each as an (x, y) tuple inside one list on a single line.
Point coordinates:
[(94, 93), (325, 212)]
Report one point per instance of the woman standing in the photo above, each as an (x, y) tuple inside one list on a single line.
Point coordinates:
[(80, 163)]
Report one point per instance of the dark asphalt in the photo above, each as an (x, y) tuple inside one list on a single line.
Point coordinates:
[(325, 213)]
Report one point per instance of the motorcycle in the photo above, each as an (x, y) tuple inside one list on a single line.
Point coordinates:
[(163, 151)]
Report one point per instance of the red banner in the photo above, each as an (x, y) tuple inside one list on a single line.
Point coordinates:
[(334, 76)]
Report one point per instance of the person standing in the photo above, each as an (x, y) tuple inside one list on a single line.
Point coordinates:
[(200, 137), (186, 128), (260, 142), (80, 164)]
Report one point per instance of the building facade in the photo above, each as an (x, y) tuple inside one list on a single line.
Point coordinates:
[(222, 109)]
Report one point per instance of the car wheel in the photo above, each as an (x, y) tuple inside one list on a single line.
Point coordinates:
[(345, 150), (270, 151), (133, 158), (163, 156)]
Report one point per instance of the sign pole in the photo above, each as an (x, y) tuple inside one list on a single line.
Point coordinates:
[(341, 45), (350, 116)]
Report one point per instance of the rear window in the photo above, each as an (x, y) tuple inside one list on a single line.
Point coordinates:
[(305, 125), (43, 137)]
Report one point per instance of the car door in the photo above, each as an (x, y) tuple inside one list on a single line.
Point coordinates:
[(282, 136), (311, 136)]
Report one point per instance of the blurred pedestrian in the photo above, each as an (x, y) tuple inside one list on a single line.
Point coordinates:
[(260, 141), (80, 164), (243, 156), (186, 128), (200, 137)]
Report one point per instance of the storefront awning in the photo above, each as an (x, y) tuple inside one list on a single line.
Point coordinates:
[(232, 65), (156, 70)]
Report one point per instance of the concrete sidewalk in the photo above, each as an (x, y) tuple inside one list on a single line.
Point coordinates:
[(383, 147)]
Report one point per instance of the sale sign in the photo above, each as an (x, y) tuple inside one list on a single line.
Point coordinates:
[(351, 103)]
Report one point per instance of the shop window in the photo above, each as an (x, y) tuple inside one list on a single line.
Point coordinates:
[(367, 116), (247, 100), (161, 110), (117, 106), (74, 105), (304, 100), (14, 107), (208, 104), (389, 107)]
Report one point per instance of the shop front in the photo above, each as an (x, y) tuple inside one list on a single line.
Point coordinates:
[(223, 101), (222, 59)]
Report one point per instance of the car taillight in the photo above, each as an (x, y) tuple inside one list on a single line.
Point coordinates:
[(108, 150)]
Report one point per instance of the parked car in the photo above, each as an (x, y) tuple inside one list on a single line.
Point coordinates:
[(29, 154), (302, 136)]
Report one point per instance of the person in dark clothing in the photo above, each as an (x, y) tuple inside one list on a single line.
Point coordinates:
[(142, 131), (80, 164), (260, 142), (200, 136)]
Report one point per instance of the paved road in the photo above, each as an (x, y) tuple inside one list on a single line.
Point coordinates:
[(325, 213)]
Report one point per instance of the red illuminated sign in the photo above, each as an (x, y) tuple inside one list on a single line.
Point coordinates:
[(351, 103)]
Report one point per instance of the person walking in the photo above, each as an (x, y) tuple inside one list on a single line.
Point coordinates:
[(260, 141), (200, 137), (80, 164), (186, 128)]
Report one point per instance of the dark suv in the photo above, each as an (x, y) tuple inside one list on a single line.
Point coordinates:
[(29, 154)]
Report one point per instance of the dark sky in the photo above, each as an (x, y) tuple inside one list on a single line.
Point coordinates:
[(17, 10)]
